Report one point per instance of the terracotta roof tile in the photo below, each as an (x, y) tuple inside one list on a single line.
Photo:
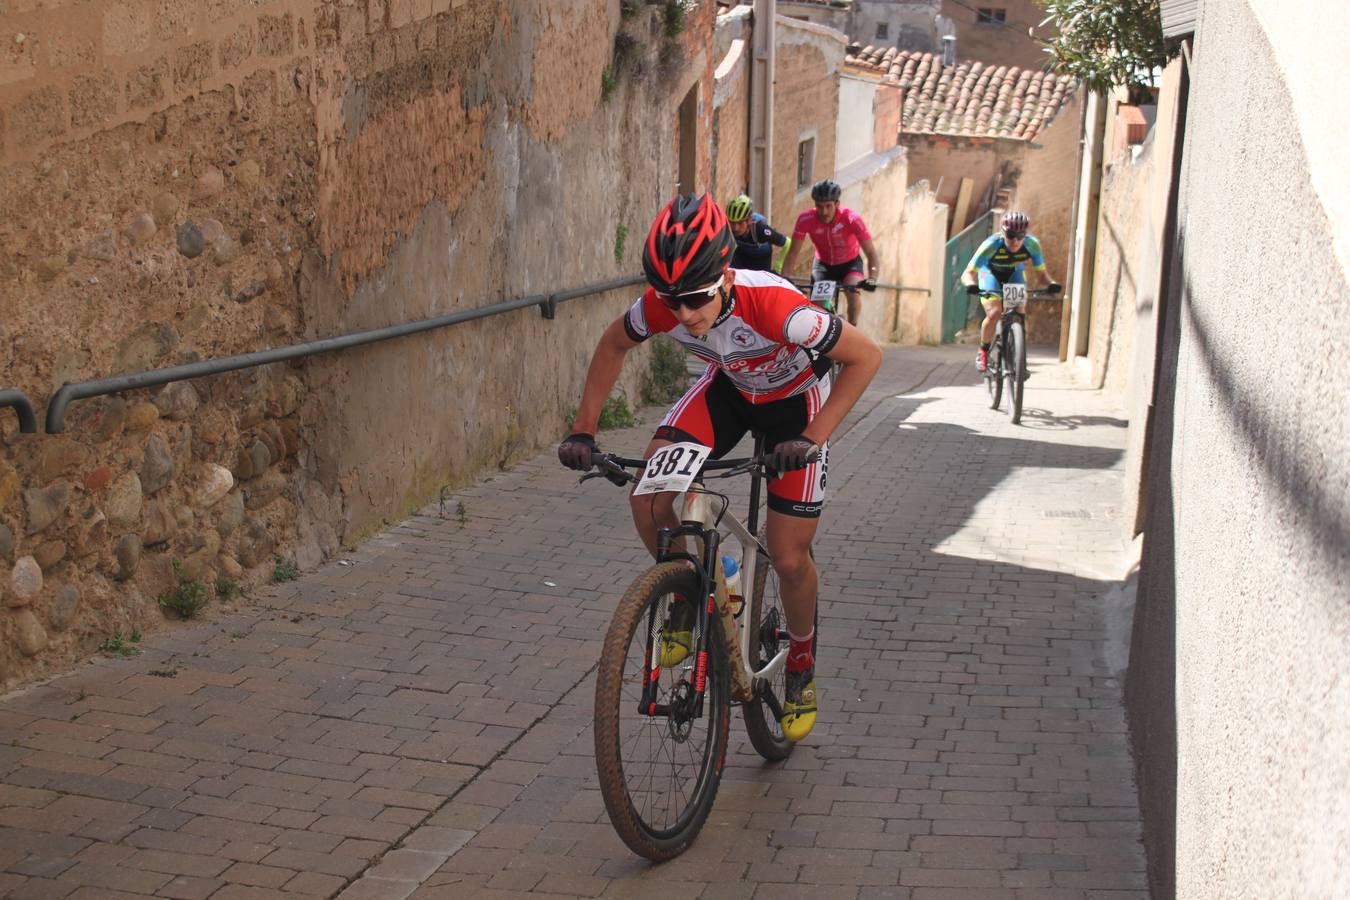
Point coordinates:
[(970, 99)]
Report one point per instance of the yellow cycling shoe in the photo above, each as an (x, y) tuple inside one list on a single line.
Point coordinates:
[(799, 706), (677, 636)]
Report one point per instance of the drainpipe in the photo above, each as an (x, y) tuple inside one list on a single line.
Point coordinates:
[(761, 106), (1085, 236)]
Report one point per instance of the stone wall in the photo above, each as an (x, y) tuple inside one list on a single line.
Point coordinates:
[(183, 181)]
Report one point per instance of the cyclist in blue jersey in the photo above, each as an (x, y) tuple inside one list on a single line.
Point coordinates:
[(1001, 260), (755, 240)]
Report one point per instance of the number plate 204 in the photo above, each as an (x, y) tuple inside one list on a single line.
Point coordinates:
[(1014, 295), (673, 468)]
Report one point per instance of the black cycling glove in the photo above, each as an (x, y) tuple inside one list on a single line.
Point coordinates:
[(972, 289), (576, 451), (794, 454), (1053, 288)]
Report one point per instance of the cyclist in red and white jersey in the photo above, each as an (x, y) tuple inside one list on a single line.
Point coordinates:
[(762, 341), (837, 233)]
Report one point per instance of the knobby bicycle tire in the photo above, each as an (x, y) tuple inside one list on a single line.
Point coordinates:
[(1016, 367), (993, 371), (682, 782), (765, 621)]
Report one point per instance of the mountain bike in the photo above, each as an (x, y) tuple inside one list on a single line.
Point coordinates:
[(825, 294), (661, 731), (1007, 360)]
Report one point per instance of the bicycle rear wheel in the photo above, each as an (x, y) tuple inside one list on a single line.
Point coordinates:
[(768, 635), (1015, 366), (659, 773)]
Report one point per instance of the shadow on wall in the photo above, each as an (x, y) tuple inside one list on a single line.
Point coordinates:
[(1150, 683)]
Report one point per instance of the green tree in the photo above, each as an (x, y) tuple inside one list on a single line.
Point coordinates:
[(1108, 43)]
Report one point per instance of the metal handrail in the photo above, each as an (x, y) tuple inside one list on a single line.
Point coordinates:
[(80, 390), (22, 407)]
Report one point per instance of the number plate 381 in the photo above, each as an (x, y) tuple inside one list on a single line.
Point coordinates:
[(673, 468)]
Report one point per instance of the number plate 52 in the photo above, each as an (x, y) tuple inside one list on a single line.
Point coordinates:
[(673, 468), (822, 293)]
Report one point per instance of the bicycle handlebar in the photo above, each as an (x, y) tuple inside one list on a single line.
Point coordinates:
[(615, 468)]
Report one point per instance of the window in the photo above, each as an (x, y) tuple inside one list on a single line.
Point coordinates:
[(883, 31), (986, 15), (806, 161)]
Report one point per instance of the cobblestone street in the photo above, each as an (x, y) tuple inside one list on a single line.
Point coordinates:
[(413, 719)]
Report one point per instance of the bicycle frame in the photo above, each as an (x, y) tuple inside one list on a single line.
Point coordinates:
[(701, 521)]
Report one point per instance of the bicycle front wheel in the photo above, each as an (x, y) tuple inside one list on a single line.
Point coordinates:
[(993, 372), (1015, 365), (658, 755)]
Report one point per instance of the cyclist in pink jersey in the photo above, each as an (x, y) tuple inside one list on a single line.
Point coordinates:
[(765, 347), (837, 233)]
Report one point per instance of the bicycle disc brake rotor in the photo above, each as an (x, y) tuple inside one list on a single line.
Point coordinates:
[(681, 718)]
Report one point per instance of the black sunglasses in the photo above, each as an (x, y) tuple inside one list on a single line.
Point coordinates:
[(692, 299)]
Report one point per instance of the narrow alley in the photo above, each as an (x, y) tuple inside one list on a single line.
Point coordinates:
[(413, 719)]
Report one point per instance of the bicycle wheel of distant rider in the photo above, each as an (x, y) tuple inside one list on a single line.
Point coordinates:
[(768, 628), (1015, 369), (993, 372), (658, 773)]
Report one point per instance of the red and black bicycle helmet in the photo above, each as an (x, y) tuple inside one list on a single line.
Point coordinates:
[(1015, 224), (689, 246)]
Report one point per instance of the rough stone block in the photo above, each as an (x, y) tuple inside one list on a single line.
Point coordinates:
[(401, 12), (237, 47), (192, 65), (126, 28), (145, 84), (17, 57), (173, 19), (276, 35), (93, 100), (38, 117), (65, 51), (351, 24), (377, 15)]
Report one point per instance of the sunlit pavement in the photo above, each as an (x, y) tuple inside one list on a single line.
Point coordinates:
[(414, 718)]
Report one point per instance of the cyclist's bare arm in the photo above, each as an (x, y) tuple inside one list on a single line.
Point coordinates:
[(860, 358), (606, 362), (873, 258)]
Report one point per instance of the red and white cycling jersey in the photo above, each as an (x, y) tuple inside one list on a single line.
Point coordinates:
[(761, 340), (836, 241)]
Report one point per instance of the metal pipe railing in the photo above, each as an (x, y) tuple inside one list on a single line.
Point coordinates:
[(22, 407), (81, 390)]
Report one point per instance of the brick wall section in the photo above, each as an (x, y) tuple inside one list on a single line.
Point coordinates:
[(731, 129), (1010, 46), (82, 67), (806, 103), (943, 161)]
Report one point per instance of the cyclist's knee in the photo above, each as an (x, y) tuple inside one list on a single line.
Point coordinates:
[(648, 506), (793, 563)]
